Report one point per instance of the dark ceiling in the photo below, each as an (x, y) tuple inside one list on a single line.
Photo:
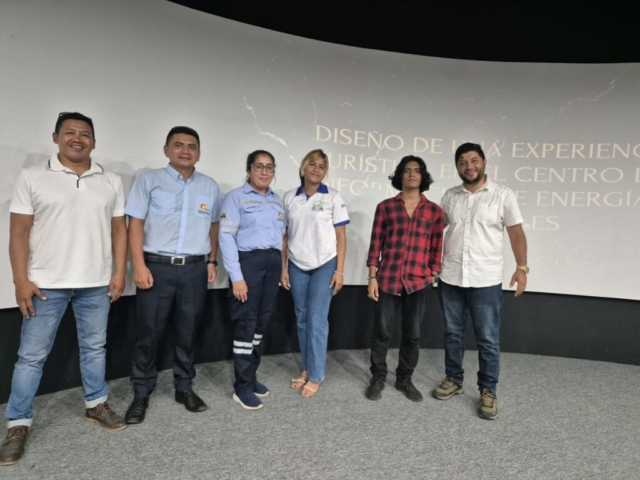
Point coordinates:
[(566, 31)]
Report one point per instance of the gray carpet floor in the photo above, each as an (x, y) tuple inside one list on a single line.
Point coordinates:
[(559, 419)]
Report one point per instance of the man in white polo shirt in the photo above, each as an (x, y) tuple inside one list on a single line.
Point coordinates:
[(476, 213), (67, 216)]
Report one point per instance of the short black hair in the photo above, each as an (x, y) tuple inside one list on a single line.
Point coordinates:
[(426, 178), (184, 131), (466, 148), (251, 158), (64, 116)]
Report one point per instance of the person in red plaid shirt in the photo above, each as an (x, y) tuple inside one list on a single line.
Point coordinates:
[(404, 262)]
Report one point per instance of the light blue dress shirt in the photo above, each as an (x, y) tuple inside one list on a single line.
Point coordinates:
[(249, 221), (177, 214)]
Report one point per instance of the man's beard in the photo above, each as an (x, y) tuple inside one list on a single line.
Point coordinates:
[(478, 179)]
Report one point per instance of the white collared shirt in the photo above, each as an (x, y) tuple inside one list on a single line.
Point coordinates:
[(70, 241), (311, 225), (474, 240)]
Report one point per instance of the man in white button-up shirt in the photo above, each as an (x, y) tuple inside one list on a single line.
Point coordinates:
[(476, 213)]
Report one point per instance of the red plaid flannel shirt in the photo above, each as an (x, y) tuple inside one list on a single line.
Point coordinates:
[(406, 250)]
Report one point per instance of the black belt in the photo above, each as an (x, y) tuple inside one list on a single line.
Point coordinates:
[(258, 251), (174, 260)]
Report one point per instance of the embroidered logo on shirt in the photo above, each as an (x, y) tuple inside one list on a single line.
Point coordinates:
[(223, 215), (203, 208), (317, 207), (280, 217)]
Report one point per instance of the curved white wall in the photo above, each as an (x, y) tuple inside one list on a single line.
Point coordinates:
[(566, 137)]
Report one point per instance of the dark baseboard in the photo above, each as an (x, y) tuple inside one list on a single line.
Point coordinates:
[(537, 323)]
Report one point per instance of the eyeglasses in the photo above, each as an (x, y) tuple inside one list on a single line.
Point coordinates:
[(259, 167)]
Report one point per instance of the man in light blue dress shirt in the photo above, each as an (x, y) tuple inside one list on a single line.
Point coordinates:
[(173, 237)]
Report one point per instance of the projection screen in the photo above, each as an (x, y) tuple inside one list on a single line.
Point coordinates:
[(566, 138)]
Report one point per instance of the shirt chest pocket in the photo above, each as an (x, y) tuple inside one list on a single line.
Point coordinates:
[(252, 215), (203, 206), (488, 214), (253, 208), (457, 214), (422, 227), (162, 203), (278, 215), (278, 211)]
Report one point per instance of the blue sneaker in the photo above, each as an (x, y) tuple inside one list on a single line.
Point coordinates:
[(260, 390), (248, 400)]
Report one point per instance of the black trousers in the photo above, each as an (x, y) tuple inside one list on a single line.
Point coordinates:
[(387, 309), (184, 289), (261, 270)]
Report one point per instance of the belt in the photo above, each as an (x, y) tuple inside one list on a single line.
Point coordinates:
[(174, 260)]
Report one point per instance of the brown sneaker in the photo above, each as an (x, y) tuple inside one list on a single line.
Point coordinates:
[(447, 389), (104, 416), (488, 408), (12, 450)]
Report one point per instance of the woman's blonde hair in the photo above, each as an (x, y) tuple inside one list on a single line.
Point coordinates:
[(313, 155)]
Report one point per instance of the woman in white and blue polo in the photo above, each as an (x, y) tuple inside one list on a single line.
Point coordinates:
[(251, 230), (313, 263)]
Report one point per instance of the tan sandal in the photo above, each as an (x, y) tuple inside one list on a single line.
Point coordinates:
[(298, 382), (310, 389)]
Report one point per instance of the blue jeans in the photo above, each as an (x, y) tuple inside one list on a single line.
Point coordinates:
[(312, 295), (91, 309), (484, 306)]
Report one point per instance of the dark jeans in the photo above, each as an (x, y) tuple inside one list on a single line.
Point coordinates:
[(484, 306), (387, 309), (185, 288), (261, 270)]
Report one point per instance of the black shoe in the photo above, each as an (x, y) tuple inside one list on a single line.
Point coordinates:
[(136, 411), (191, 401), (374, 390), (406, 386)]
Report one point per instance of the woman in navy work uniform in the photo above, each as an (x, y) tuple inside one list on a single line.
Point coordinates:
[(251, 231)]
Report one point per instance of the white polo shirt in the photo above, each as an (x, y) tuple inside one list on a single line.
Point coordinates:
[(311, 223), (70, 241), (474, 241)]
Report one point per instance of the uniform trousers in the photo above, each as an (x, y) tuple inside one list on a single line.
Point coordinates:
[(183, 290), (261, 270)]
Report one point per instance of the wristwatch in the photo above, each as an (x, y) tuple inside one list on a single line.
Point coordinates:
[(212, 262), (524, 268)]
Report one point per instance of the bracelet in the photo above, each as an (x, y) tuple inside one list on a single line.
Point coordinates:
[(372, 278), (339, 273)]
